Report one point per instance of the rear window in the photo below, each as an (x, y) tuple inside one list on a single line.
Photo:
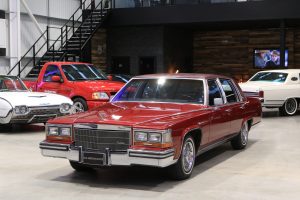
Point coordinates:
[(270, 77)]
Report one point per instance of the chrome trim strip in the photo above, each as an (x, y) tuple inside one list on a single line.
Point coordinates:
[(102, 127)]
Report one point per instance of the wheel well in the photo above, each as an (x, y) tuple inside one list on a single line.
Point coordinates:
[(197, 136), (78, 97)]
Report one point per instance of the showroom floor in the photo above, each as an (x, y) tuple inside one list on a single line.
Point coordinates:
[(267, 169)]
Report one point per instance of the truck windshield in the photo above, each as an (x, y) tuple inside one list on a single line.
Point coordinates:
[(11, 84), (83, 72), (270, 77), (162, 90)]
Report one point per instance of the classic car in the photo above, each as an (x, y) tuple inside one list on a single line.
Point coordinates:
[(19, 105), (276, 89), (162, 120)]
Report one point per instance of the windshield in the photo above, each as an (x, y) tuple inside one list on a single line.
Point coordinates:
[(270, 77), (11, 83), (163, 90), (83, 72)]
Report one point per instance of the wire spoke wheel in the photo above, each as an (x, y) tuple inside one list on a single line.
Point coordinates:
[(188, 156)]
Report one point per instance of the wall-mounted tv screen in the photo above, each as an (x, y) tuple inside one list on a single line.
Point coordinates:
[(269, 58)]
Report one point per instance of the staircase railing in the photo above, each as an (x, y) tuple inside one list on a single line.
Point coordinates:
[(66, 32)]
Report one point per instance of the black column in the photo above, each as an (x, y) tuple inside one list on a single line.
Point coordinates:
[(282, 43), (2, 16)]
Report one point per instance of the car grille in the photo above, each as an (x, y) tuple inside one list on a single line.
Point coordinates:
[(96, 139)]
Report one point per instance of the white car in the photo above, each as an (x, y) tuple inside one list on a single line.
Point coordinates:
[(276, 89), (19, 105)]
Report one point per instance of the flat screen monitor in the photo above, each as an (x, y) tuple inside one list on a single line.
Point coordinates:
[(269, 58)]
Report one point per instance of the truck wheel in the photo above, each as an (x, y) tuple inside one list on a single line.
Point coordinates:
[(241, 140), (289, 108), (80, 167), (185, 164), (80, 105)]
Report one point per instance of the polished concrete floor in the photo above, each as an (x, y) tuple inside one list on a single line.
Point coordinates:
[(268, 169)]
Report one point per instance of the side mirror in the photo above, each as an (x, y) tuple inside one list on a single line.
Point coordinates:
[(218, 101), (56, 79), (110, 77)]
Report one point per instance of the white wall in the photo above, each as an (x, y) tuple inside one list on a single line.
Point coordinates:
[(46, 12)]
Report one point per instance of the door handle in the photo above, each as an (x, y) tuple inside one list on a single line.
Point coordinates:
[(228, 110)]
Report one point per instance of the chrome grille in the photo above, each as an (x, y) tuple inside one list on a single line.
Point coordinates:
[(96, 139)]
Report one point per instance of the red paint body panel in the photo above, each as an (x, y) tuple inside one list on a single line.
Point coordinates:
[(215, 123), (71, 89)]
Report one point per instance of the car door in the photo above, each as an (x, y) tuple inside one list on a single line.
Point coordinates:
[(47, 85), (220, 122), (234, 103)]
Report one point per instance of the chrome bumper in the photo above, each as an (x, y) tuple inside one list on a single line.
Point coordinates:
[(131, 157)]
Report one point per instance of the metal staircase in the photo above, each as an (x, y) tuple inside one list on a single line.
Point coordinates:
[(72, 38)]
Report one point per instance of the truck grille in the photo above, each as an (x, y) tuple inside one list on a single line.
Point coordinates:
[(96, 139)]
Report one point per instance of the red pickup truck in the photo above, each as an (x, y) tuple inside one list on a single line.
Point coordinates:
[(156, 120), (86, 85)]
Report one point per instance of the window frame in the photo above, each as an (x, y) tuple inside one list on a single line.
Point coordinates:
[(239, 98), (221, 92), (61, 76)]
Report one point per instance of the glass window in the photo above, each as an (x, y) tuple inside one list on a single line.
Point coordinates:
[(230, 92), (11, 83), (270, 77), (81, 72), (214, 92), (163, 90), (52, 70)]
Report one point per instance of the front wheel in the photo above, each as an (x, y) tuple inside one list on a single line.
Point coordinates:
[(241, 140), (185, 164), (80, 105), (289, 108)]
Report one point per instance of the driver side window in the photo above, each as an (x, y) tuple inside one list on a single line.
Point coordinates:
[(52, 70)]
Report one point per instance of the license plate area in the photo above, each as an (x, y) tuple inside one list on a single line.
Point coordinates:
[(94, 158)]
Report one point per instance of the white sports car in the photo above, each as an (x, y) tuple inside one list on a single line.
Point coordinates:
[(276, 89), (19, 105)]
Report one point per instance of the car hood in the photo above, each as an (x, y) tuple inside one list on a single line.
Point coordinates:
[(31, 99), (256, 86), (136, 114), (101, 85)]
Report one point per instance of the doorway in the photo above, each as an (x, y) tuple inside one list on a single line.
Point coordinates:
[(121, 65), (147, 65)]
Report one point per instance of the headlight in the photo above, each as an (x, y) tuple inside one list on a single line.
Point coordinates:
[(65, 108), (53, 130), (21, 110), (153, 138), (58, 130), (100, 95), (140, 136), (65, 132)]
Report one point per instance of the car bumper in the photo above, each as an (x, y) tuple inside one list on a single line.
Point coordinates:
[(131, 157)]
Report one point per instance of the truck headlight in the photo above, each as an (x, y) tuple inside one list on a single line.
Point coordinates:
[(153, 138), (21, 110), (65, 108), (100, 96)]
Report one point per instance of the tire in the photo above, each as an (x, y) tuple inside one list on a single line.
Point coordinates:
[(185, 164), (80, 105), (289, 107), (80, 167), (241, 140)]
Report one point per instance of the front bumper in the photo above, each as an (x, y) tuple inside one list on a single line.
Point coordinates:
[(131, 157)]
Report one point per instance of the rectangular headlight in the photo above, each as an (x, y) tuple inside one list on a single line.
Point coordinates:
[(140, 136), (65, 131), (52, 130), (154, 137)]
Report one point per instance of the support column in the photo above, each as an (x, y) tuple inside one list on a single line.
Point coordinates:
[(14, 33)]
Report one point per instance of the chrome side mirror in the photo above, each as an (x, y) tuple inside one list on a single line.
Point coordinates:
[(218, 101)]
